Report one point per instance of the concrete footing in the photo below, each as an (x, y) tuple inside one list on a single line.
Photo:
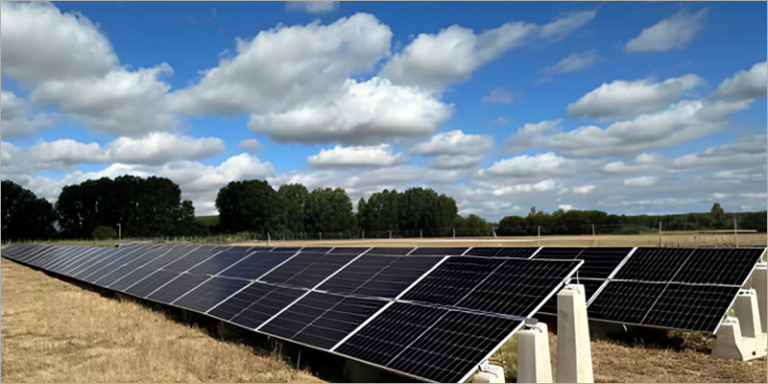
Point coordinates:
[(759, 282), (489, 373), (574, 354), (740, 336), (533, 364)]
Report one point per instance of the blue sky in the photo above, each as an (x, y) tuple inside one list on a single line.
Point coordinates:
[(640, 107)]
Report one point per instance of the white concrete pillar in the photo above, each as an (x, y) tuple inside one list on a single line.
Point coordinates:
[(747, 312), (489, 373), (533, 363), (574, 353), (728, 344), (760, 285)]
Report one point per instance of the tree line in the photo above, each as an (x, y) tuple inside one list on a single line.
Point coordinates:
[(153, 207)]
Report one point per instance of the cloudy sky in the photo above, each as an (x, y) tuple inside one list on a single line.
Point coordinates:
[(623, 107)]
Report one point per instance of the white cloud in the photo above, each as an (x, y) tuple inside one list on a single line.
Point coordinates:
[(626, 99), (455, 161), (680, 122), (642, 181), (251, 145), (500, 96), (761, 196), (745, 85), (566, 24), (121, 103), (288, 66), (584, 189), (530, 132), (356, 157), (565, 207), (17, 119), (499, 121), (455, 143), (317, 7), (673, 33), (365, 112), (153, 149), (40, 43), (574, 62), (542, 165), (434, 61), (747, 152)]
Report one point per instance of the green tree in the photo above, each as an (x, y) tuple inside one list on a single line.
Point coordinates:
[(251, 205), (719, 219), (102, 232), (24, 215), (330, 210), (473, 225), (294, 199)]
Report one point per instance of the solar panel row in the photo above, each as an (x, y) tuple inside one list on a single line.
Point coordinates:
[(326, 297), (688, 289)]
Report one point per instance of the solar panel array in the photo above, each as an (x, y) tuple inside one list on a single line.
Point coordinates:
[(429, 313), (688, 289)]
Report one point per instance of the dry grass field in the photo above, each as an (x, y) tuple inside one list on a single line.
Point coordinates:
[(670, 239), (54, 331)]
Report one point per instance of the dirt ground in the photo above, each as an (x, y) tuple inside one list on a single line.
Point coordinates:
[(54, 331), (669, 239)]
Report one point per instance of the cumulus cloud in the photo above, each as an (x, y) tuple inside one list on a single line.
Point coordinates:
[(499, 96), (566, 24), (745, 85), (278, 69), (455, 161), (565, 207), (251, 145), (625, 99), (673, 33), (18, 119), (153, 149), (454, 143), (642, 181), (542, 165), (748, 152), (574, 62), (678, 123), (357, 157), (499, 121), (41, 43), (583, 189), (364, 112), (121, 103), (317, 7), (433, 61)]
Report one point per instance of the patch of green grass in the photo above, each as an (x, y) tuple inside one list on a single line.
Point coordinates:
[(208, 221)]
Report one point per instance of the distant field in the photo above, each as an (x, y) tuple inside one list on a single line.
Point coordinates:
[(670, 239), (209, 221)]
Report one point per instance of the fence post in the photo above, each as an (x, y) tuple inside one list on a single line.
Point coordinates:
[(390, 234), (454, 232), (736, 230), (268, 238), (421, 235), (363, 234), (320, 234), (593, 230), (661, 242)]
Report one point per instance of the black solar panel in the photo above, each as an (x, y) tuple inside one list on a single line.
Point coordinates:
[(147, 269), (514, 252), (177, 288), (506, 286), (210, 293), (432, 343), (221, 261), (559, 253), (256, 304), (197, 256), (256, 265), (389, 251), (306, 270), (379, 276), (345, 250), (151, 283), (87, 271), (730, 266), (654, 264), (590, 288), (322, 320), (130, 265), (691, 307), (438, 251), (625, 302)]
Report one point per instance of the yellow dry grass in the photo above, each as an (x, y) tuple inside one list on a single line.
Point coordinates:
[(669, 239), (53, 331)]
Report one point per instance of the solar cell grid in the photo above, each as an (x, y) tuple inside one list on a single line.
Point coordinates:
[(654, 264), (210, 293), (256, 265), (688, 307), (391, 251), (456, 251), (192, 259), (379, 276), (131, 265), (221, 261), (110, 267), (559, 253), (306, 270), (452, 280), (346, 250), (726, 266), (600, 262), (590, 288), (321, 320), (625, 301), (174, 289), (84, 272), (148, 268), (432, 343), (256, 304), (148, 285)]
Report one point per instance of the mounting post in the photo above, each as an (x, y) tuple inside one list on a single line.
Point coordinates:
[(660, 241), (740, 336), (574, 353), (760, 285), (533, 364), (736, 230)]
